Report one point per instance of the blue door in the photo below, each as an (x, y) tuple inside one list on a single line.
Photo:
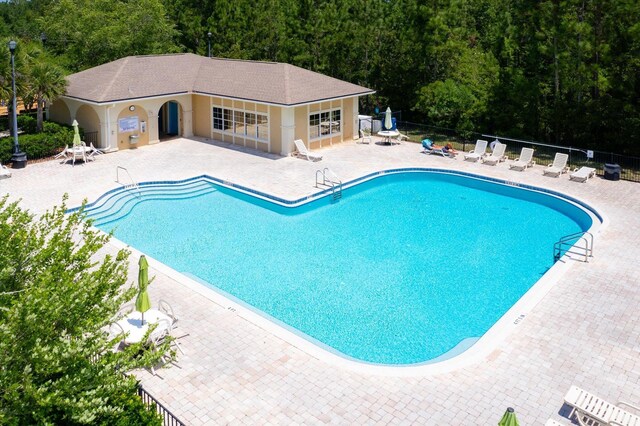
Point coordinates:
[(172, 118)]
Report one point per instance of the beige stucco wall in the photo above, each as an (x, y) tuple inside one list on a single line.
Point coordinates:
[(88, 119), (302, 127), (202, 116), (59, 112), (196, 118), (275, 129), (141, 130)]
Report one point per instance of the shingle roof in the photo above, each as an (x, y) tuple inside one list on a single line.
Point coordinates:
[(136, 77)]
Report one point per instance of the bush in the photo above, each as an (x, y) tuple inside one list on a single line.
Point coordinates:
[(27, 123), (38, 145)]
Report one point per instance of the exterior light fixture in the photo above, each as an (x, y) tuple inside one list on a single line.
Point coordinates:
[(19, 158)]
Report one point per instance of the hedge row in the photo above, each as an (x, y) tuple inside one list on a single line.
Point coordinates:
[(49, 142)]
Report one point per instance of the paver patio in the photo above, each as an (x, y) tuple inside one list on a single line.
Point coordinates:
[(586, 330)]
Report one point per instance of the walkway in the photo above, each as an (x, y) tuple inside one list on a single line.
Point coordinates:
[(586, 331)]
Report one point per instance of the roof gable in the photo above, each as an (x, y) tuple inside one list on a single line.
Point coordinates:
[(137, 77)]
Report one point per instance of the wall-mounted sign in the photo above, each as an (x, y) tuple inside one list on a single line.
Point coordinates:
[(128, 124)]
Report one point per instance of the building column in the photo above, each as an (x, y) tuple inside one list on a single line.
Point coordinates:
[(152, 126), (288, 125), (187, 123), (356, 113)]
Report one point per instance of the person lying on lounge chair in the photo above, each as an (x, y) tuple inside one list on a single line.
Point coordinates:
[(428, 145), (448, 149)]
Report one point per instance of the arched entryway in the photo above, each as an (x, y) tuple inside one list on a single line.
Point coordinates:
[(170, 120), (90, 122)]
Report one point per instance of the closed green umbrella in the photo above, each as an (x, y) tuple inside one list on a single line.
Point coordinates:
[(143, 304), (387, 119), (76, 134), (509, 418)]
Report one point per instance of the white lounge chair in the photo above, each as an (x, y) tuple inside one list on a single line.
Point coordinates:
[(559, 165), (364, 138), (525, 160), (477, 152), (582, 174), (497, 155), (588, 409), (302, 151), (429, 148), (4, 172)]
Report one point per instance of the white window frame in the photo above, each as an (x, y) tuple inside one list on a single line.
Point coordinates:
[(231, 131), (330, 134)]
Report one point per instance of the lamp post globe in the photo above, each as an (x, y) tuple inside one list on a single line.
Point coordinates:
[(19, 158)]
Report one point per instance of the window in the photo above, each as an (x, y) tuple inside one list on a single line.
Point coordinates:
[(325, 123), (238, 121), (228, 120), (263, 127), (249, 124), (217, 118)]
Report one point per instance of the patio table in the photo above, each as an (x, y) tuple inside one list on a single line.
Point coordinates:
[(135, 329), (387, 135)]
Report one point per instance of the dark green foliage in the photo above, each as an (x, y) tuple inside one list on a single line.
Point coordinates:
[(56, 300), (561, 71), (26, 123), (37, 145)]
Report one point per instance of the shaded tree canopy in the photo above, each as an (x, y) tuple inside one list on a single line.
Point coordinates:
[(560, 71)]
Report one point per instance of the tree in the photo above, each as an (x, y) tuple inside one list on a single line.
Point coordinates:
[(91, 32), (45, 81), (55, 301)]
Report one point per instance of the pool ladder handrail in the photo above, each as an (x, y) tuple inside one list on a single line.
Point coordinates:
[(335, 183), (133, 183), (563, 246)]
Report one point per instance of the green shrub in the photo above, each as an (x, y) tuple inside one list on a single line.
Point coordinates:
[(39, 145), (27, 123)]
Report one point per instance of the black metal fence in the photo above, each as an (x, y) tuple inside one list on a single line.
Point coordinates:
[(543, 153), (169, 419)]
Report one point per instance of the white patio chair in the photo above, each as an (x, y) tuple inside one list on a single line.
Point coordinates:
[(364, 137), (582, 174), (302, 151), (559, 165), (477, 152), (78, 153), (497, 155), (165, 308), (525, 160), (125, 310), (64, 154), (4, 172), (116, 331), (93, 151)]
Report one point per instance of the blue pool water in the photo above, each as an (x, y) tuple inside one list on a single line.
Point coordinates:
[(400, 271)]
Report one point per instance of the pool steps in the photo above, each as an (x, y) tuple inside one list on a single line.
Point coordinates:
[(120, 203)]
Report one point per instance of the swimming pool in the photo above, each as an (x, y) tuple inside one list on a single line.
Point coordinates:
[(405, 268)]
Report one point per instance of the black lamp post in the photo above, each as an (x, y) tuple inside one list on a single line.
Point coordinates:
[(209, 44), (19, 158), (43, 38)]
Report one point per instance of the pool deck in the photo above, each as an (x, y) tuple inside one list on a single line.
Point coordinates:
[(585, 331)]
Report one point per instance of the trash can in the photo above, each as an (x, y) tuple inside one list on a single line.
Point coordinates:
[(133, 139), (612, 171)]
